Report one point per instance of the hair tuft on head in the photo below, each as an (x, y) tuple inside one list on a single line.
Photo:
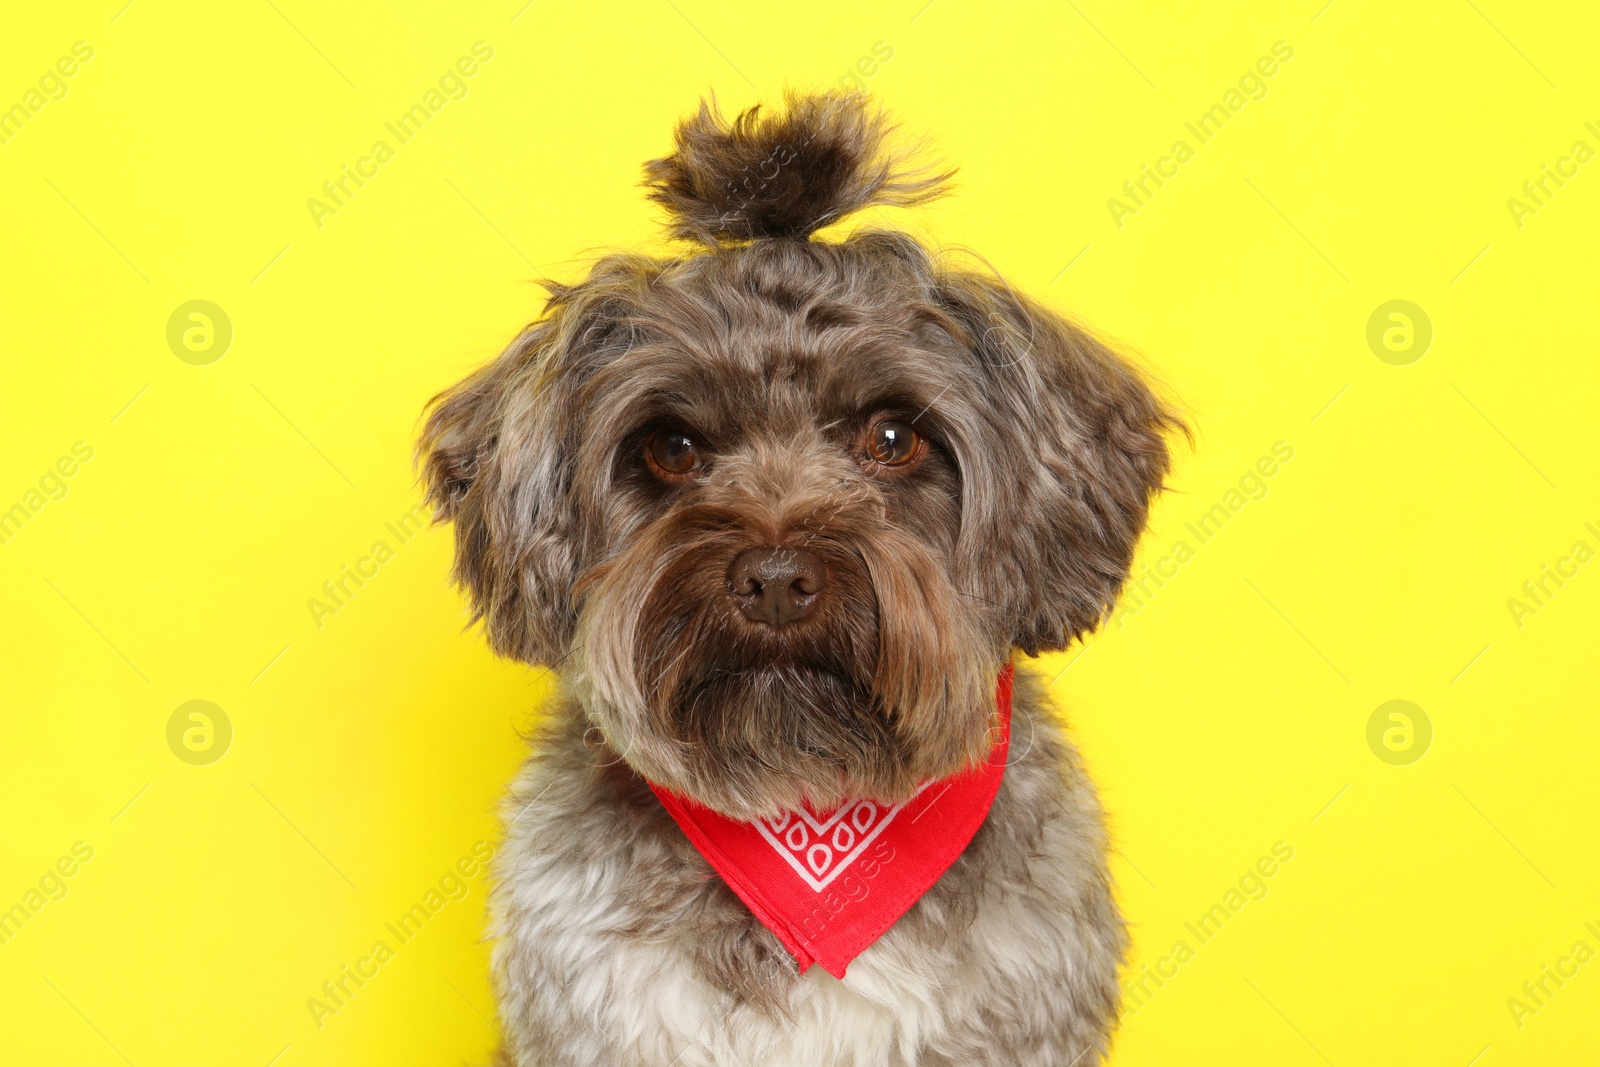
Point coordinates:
[(784, 174)]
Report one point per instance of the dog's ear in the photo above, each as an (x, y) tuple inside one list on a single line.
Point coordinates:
[(470, 470), (1080, 442), (497, 454)]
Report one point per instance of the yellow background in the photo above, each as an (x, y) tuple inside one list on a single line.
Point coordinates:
[(1228, 713)]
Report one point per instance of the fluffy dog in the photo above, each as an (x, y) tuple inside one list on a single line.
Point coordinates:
[(779, 510)]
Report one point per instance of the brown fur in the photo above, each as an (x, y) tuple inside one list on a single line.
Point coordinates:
[(777, 353), (782, 175)]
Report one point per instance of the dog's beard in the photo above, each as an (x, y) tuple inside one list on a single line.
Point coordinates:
[(887, 683)]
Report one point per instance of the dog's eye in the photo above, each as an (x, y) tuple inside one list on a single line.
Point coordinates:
[(893, 443), (671, 454)]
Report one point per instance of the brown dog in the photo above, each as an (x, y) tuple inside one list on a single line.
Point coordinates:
[(779, 510)]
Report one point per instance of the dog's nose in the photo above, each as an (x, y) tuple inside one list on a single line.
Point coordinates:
[(778, 585)]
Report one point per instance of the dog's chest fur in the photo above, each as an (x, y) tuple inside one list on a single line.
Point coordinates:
[(618, 945)]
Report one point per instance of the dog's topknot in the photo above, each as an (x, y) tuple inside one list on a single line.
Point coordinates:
[(783, 174)]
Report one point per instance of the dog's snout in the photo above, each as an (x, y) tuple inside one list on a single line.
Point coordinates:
[(776, 585)]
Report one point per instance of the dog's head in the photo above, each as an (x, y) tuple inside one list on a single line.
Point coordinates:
[(780, 509)]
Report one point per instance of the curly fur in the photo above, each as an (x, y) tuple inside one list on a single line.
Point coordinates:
[(786, 174), (1015, 532), (617, 944)]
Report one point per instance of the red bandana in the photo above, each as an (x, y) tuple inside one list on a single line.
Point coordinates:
[(830, 884)]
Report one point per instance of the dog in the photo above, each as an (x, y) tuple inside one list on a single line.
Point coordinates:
[(780, 511)]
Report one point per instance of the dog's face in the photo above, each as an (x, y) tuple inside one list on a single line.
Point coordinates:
[(780, 511)]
